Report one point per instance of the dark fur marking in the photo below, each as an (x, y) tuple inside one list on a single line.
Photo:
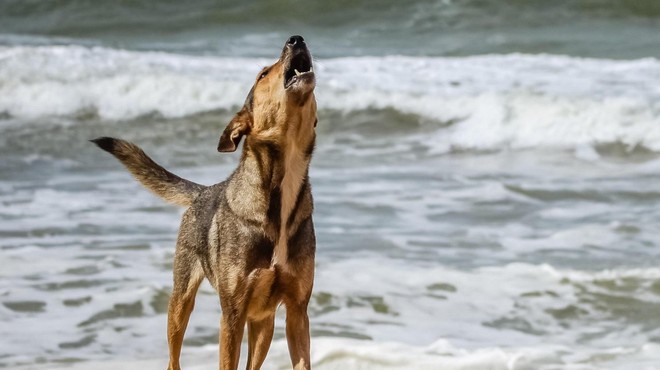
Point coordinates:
[(299, 199), (273, 152), (261, 253), (274, 206), (275, 174), (310, 149), (297, 243), (105, 143)]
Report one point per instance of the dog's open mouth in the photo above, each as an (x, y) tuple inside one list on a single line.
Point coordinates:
[(300, 69)]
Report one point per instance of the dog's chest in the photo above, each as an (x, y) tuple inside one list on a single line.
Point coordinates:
[(295, 168)]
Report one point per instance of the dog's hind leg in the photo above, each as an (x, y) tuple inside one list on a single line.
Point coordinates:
[(260, 334), (188, 275)]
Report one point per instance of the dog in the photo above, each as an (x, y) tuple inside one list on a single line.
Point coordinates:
[(252, 235)]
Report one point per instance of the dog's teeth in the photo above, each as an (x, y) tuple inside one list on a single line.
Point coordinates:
[(297, 73)]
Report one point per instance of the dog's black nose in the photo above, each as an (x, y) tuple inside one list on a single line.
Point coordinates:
[(295, 40)]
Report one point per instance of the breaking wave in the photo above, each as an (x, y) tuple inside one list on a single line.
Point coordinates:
[(486, 102)]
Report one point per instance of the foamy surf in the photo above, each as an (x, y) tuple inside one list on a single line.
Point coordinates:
[(511, 101), (408, 315), (340, 354)]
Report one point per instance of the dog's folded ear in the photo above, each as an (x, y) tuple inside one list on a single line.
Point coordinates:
[(231, 136)]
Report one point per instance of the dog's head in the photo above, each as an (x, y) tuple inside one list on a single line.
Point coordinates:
[(281, 105)]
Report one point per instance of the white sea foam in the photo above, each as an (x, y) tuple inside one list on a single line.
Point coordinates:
[(338, 353), (417, 316), (67, 80), (516, 101), (421, 311)]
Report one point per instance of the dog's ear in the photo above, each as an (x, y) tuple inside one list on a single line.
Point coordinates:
[(231, 136)]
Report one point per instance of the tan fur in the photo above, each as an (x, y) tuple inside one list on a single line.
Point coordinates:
[(295, 168)]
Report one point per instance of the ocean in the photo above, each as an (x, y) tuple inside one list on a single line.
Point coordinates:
[(485, 178)]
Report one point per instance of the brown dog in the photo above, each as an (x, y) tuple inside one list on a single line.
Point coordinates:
[(252, 235)]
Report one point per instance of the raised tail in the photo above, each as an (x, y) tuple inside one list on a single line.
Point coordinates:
[(158, 180)]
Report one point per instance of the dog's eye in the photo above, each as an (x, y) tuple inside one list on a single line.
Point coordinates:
[(263, 74)]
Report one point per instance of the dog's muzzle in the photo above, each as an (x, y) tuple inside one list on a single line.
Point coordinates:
[(299, 70)]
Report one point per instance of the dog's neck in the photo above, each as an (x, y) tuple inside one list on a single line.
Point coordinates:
[(271, 186)]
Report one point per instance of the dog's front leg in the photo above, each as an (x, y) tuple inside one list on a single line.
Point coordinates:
[(232, 326), (297, 335), (260, 334)]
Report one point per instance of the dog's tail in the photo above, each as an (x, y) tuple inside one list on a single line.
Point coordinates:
[(158, 180)]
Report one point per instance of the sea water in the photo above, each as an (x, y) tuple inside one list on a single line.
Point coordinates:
[(488, 206)]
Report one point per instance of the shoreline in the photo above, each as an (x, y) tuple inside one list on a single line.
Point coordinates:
[(341, 353)]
